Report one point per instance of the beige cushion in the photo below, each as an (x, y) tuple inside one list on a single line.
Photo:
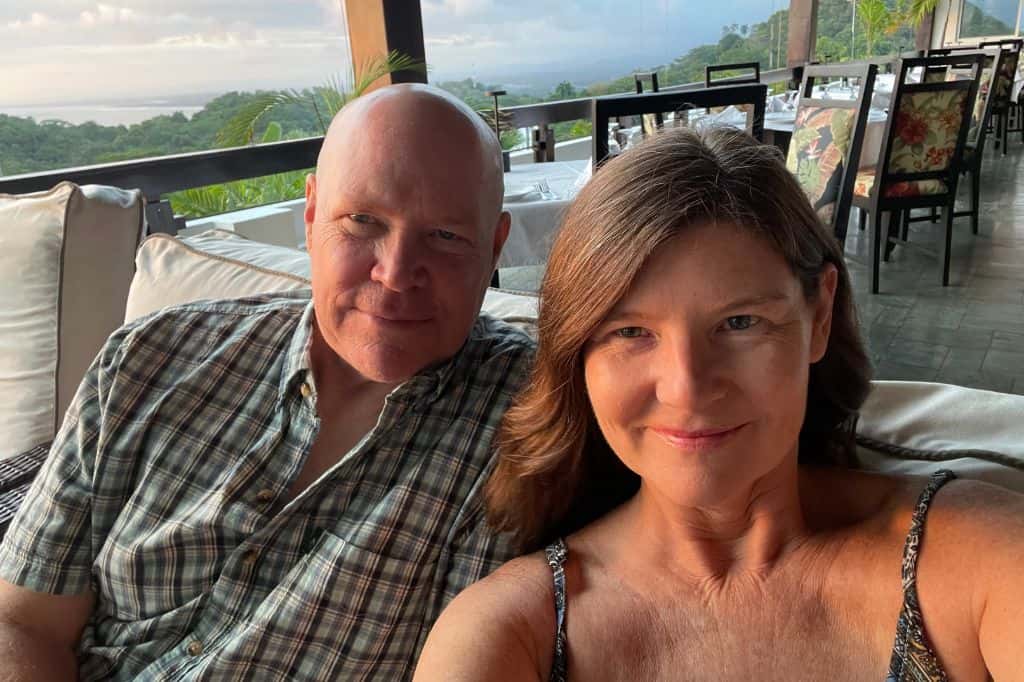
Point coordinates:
[(65, 267), (913, 427), (214, 264), (222, 264)]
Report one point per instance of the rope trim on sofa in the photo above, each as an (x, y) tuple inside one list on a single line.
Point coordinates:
[(907, 453)]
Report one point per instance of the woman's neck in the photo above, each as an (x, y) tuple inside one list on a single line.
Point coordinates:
[(745, 533)]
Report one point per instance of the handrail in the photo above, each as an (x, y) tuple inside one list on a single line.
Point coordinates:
[(157, 176)]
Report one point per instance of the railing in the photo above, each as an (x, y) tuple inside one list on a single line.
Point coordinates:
[(159, 176)]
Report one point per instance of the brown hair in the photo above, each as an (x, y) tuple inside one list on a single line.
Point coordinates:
[(555, 471)]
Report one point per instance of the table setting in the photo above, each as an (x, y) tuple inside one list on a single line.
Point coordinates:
[(536, 195)]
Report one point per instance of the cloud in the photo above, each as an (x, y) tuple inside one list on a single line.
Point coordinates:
[(35, 20), (77, 47), (108, 14)]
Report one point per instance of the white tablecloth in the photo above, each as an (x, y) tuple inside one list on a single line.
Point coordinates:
[(535, 219)]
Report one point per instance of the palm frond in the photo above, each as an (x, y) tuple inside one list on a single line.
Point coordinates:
[(325, 100), (376, 67), (917, 10), (241, 128)]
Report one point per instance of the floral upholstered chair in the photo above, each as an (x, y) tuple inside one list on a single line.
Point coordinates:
[(1001, 97), (827, 140), (922, 153)]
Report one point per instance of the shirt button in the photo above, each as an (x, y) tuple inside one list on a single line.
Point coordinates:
[(195, 648), (265, 496), (249, 558), (305, 390)]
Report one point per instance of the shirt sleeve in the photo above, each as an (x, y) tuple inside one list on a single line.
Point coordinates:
[(476, 554), (48, 546)]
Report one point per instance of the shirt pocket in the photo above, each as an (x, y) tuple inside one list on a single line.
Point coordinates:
[(363, 610)]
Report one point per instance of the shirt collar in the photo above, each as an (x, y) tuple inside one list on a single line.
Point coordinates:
[(427, 385), (297, 360)]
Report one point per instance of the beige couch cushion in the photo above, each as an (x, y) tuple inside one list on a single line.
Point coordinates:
[(222, 264), (914, 427), (65, 267), (214, 264)]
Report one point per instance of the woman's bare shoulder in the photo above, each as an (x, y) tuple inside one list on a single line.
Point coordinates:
[(502, 627)]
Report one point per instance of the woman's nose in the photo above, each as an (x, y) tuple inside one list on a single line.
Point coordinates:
[(687, 375)]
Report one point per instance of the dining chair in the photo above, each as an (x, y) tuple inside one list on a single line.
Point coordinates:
[(678, 105), (1002, 98), (651, 122), (919, 164), (753, 77), (828, 136), (977, 133)]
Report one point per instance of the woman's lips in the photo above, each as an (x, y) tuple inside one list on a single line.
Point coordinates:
[(704, 439)]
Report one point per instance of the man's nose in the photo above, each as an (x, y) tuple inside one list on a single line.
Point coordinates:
[(399, 264), (688, 375)]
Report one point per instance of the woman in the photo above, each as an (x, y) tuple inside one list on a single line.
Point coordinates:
[(688, 432)]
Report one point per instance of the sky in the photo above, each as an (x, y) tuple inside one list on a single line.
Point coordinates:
[(63, 51)]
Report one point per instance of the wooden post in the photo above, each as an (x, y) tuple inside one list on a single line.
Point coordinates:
[(923, 36), (376, 27), (803, 30)]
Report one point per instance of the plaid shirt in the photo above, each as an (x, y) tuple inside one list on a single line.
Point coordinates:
[(164, 493)]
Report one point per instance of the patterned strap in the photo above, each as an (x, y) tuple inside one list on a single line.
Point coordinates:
[(556, 554), (912, 657)]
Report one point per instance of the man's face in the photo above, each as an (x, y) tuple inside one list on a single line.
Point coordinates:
[(402, 240)]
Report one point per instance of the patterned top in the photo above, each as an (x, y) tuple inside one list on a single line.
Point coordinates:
[(164, 490), (912, 658)]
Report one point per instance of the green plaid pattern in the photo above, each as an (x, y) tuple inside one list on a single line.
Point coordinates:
[(162, 494)]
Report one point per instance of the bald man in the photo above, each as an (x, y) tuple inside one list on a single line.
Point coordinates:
[(283, 488)]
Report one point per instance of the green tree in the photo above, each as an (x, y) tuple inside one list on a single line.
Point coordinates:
[(873, 17)]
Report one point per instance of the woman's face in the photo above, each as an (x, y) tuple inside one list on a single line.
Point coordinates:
[(698, 376)]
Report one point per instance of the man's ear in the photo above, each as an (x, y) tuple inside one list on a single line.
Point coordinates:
[(309, 215), (500, 235), (823, 306)]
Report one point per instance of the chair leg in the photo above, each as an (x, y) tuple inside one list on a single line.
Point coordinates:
[(894, 228), (905, 227), (862, 220), (975, 198), (876, 248), (947, 244), (1004, 120), (935, 215)]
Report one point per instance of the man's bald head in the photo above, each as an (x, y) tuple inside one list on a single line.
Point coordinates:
[(404, 228), (415, 118)]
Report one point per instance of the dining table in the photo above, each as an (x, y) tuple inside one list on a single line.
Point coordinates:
[(536, 196)]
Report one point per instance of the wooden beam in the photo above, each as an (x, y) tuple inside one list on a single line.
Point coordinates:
[(803, 30), (923, 35), (376, 27)]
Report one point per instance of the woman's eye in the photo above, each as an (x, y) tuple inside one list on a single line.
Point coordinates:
[(447, 235), (361, 218), (738, 323), (630, 332)]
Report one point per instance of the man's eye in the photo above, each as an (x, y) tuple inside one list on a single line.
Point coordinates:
[(739, 323), (630, 332), (447, 235), (361, 218)]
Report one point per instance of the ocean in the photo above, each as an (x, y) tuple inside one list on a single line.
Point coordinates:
[(102, 114)]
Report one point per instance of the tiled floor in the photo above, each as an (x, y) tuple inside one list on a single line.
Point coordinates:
[(970, 333)]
